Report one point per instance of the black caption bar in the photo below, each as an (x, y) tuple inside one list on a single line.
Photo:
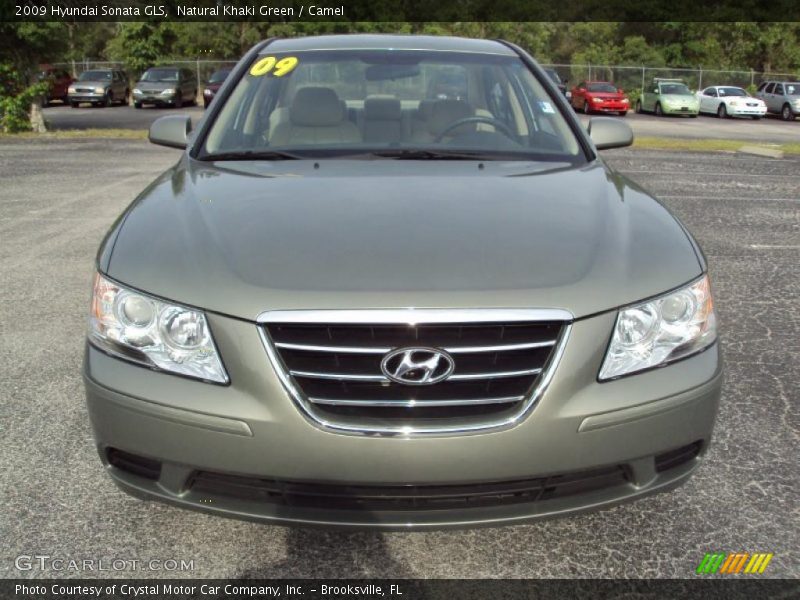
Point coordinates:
[(398, 589), (398, 10)]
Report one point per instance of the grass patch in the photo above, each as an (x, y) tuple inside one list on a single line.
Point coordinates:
[(69, 134), (707, 144)]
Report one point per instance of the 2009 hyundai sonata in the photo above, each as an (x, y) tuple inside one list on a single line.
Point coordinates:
[(390, 283)]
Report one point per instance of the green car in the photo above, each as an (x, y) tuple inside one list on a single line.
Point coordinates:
[(668, 97)]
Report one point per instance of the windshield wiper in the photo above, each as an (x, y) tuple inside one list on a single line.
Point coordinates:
[(430, 155), (253, 155)]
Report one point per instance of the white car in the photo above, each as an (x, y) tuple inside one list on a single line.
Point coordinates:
[(727, 101)]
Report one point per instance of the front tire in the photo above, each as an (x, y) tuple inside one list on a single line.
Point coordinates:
[(179, 101), (586, 109), (109, 99), (722, 111), (624, 113), (638, 108), (786, 113), (137, 105), (659, 112), (75, 104)]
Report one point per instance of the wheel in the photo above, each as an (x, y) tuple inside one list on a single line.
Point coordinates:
[(586, 109), (638, 108), (109, 99), (756, 117), (74, 104), (624, 113), (692, 116), (45, 102), (205, 103), (722, 111), (659, 112), (137, 105), (194, 99), (179, 101), (786, 113)]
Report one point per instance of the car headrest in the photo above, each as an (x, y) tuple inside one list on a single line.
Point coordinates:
[(382, 108), (316, 107), (445, 112)]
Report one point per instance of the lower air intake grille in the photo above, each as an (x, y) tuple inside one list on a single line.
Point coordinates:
[(405, 497), (372, 375)]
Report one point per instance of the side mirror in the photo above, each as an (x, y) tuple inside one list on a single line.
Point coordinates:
[(172, 131), (609, 133)]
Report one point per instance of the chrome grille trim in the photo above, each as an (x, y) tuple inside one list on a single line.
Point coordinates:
[(415, 316), (384, 350), (433, 317), (382, 379), (410, 403)]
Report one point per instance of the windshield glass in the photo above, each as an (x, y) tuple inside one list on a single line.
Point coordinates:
[(161, 75), (95, 76), (601, 87), (678, 89), (219, 76), (731, 91), (388, 103), (793, 89)]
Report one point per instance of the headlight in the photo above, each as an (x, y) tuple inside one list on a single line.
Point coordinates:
[(137, 91), (597, 100), (70, 90), (660, 331), (99, 90), (169, 92), (625, 101), (144, 330)]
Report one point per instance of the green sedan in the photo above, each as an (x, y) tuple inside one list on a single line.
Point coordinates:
[(668, 97)]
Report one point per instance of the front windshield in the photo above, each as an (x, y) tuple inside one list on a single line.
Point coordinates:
[(95, 76), (678, 89), (161, 75), (793, 89), (391, 103), (601, 87), (731, 91), (219, 76)]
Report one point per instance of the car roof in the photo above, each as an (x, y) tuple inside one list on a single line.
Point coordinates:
[(383, 42), (593, 81)]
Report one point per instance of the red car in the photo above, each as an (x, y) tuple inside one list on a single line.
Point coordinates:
[(58, 81), (599, 97)]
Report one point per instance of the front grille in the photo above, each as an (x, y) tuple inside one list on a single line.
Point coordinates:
[(84, 90), (405, 497), (334, 370)]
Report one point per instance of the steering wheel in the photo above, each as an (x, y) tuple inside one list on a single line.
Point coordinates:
[(498, 125)]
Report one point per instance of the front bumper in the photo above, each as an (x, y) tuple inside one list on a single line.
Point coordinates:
[(155, 99), (747, 111), (680, 110), (609, 107), (251, 437), (86, 97)]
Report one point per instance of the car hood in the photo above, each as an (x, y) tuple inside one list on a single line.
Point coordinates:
[(91, 84), (606, 95), (243, 237), (679, 98), (157, 85)]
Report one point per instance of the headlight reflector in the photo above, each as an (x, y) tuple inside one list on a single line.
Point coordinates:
[(660, 331), (169, 92), (99, 90), (142, 329)]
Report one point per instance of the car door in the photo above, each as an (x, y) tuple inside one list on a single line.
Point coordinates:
[(650, 98), (708, 99), (777, 98), (768, 96)]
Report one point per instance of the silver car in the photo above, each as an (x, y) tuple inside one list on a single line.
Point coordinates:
[(356, 300), (781, 97), (99, 87)]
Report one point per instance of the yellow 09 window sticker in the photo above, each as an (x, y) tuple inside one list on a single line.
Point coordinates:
[(271, 65)]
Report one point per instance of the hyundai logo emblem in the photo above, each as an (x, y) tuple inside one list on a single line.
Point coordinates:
[(417, 366)]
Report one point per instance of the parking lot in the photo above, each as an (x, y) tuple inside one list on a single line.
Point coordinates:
[(769, 130), (60, 196)]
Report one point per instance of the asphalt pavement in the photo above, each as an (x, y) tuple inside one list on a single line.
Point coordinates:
[(768, 130), (60, 196)]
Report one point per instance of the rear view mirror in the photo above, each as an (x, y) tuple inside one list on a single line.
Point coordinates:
[(609, 133), (172, 131)]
